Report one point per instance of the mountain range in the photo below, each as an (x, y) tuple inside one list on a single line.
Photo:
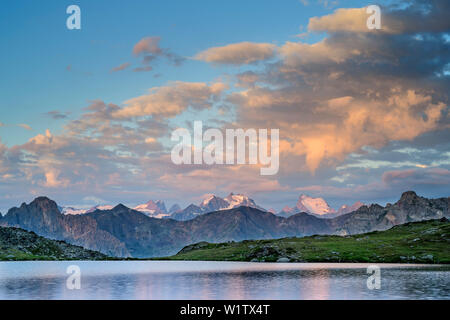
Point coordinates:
[(125, 232), (211, 203), (157, 208)]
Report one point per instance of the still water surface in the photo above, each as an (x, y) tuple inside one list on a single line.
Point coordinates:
[(220, 280)]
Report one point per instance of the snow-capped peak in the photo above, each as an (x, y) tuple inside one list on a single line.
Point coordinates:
[(313, 205), (215, 203), (318, 206), (156, 209), (99, 207), (237, 200), (71, 210), (207, 200), (152, 206), (76, 211)]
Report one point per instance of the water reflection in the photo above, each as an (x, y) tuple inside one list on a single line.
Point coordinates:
[(220, 280)]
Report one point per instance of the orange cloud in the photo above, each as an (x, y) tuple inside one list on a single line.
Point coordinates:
[(221, 179), (52, 179), (340, 126), (42, 139), (298, 53), (123, 66), (238, 53), (25, 126), (147, 45), (171, 100), (353, 19)]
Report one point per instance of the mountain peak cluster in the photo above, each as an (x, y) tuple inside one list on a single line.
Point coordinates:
[(157, 208)]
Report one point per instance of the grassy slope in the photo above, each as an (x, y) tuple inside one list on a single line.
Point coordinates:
[(419, 242), (20, 245)]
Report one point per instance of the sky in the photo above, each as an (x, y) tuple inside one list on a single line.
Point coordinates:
[(86, 115)]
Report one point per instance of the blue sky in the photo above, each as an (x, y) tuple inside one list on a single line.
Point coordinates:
[(41, 48), (348, 102)]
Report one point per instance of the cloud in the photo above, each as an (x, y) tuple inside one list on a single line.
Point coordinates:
[(220, 179), (345, 106), (247, 79), (94, 200), (3, 151), (96, 116), (147, 45), (350, 20), (328, 3), (41, 139), (149, 48), (419, 16), (298, 53), (387, 186), (143, 69), (410, 179), (338, 126), (175, 59), (348, 91), (25, 126), (149, 58), (52, 179), (238, 53), (123, 66), (57, 115), (172, 100)]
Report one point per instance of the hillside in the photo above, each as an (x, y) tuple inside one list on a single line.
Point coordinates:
[(17, 244), (414, 242)]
